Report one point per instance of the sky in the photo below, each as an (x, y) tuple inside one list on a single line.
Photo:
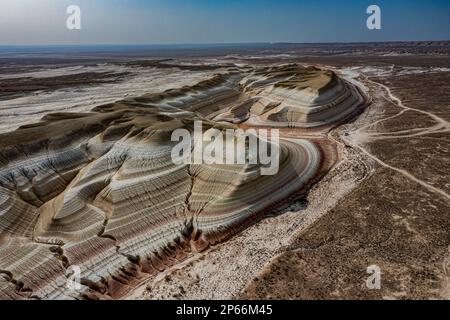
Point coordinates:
[(43, 22)]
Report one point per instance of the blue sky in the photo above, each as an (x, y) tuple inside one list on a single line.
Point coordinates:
[(42, 22)]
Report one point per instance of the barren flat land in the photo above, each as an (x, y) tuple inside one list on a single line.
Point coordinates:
[(87, 183)]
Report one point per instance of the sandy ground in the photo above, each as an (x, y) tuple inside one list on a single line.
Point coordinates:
[(254, 265), (397, 218), (30, 108), (224, 270)]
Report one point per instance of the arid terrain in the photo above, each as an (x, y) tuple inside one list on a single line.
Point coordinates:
[(86, 178)]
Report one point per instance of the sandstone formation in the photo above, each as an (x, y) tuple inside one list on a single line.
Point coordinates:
[(293, 96), (99, 190)]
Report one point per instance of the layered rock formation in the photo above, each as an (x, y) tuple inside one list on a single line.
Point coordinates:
[(100, 191), (294, 96)]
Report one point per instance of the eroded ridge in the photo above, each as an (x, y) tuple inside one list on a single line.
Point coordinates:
[(99, 190), (294, 96)]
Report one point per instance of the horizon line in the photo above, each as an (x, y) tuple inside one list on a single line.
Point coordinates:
[(216, 43)]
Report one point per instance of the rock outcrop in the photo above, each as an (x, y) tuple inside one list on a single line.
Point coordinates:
[(294, 96), (100, 191)]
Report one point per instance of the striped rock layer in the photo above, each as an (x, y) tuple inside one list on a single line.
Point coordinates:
[(295, 97), (99, 191)]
